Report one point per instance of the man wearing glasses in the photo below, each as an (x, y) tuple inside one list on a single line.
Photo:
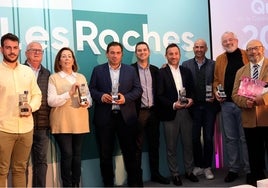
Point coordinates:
[(34, 55), (254, 110)]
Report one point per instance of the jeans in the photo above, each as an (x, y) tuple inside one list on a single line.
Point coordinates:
[(39, 157), (234, 137), (70, 147), (204, 116)]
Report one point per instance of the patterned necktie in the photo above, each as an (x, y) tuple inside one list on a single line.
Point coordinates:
[(255, 75)]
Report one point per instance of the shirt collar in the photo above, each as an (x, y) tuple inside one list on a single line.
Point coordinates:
[(259, 63), (38, 69), (110, 67), (5, 64), (64, 75), (140, 67), (172, 68)]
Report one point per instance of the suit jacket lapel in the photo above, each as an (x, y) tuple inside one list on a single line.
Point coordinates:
[(106, 75), (264, 70), (170, 75)]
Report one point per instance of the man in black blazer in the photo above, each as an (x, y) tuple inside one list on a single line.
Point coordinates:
[(174, 112), (148, 121), (115, 116)]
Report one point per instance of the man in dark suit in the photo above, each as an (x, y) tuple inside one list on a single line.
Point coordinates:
[(173, 108), (115, 114), (148, 121)]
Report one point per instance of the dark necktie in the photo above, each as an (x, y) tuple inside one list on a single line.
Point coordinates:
[(255, 75)]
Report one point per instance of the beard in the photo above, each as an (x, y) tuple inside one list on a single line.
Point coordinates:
[(10, 60)]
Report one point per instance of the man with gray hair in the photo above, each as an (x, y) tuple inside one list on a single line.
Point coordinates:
[(34, 56), (224, 75)]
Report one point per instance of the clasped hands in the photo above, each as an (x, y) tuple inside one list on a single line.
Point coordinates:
[(73, 91), (107, 98), (28, 113), (179, 105)]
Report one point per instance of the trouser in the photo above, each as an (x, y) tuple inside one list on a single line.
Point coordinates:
[(39, 157), (234, 137), (106, 140), (14, 154), (256, 138), (204, 117), (181, 126), (70, 147), (148, 125)]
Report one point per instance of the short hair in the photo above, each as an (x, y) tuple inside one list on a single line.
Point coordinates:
[(229, 32), (114, 44), (9, 36), (140, 43), (171, 46), (57, 66)]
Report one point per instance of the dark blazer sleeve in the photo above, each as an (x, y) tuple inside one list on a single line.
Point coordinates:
[(166, 94), (130, 87), (100, 83)]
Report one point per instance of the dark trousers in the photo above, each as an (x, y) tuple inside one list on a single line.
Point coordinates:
[(148, 125), (39, 157), (106, 136), (70, 147), (256, 139), (204, 116)]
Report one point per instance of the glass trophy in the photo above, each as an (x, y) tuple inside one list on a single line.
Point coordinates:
[(23, 107), (114, 93), (209, 94), (221, 91), (82, 92), (182, 98)]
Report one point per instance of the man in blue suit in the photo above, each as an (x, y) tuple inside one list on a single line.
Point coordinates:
[(115, 114), (174, 112)]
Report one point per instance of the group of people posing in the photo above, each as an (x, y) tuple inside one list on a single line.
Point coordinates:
[(129, 103)]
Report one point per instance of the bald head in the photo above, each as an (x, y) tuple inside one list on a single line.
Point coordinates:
[(255, 51), (200, 48)]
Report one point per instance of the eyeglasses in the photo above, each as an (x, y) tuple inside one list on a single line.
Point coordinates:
[(228, 40), (37, 51), (256, 48)]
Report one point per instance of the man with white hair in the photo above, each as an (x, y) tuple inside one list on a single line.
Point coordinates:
[(225, 69)]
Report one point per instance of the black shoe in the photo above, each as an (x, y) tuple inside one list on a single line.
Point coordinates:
[(251, 180), (177, 180), (160, 179), (191, 177), (75, 184), (231, 176)]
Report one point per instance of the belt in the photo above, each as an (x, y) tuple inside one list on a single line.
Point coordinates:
[(147, 108), (41, 127), (116, 112)]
